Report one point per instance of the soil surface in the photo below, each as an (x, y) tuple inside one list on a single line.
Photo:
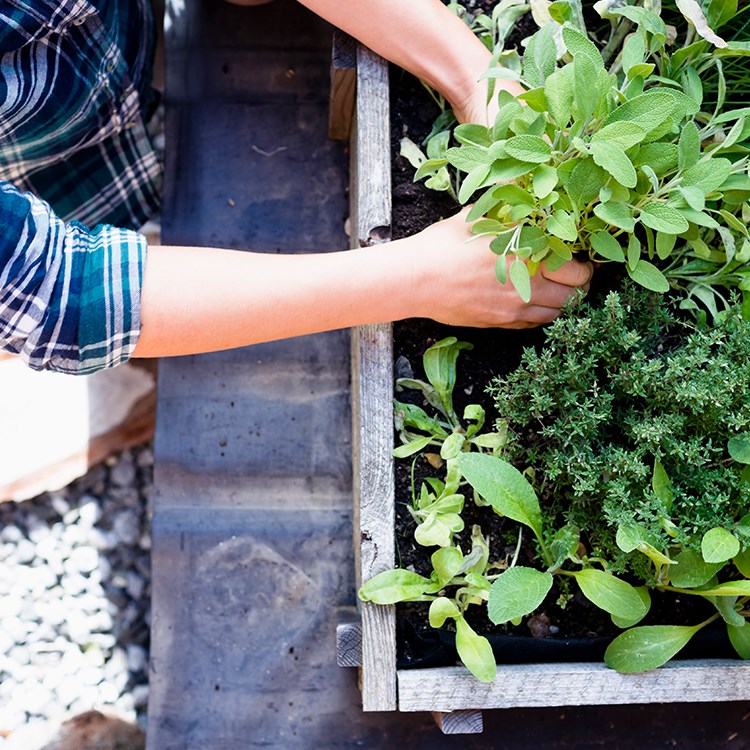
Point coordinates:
[(577, 630)]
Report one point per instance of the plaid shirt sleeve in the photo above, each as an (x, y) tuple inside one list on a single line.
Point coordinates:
[(69, 296)]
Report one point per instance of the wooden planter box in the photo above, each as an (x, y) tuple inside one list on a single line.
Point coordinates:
[(453, 693)]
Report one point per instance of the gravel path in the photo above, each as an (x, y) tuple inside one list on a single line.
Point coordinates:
[(75, 596)]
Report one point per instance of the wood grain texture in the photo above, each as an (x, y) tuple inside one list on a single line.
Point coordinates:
[(466, 721), (372, 386), (348, 637), (343, 86), (544, 685)]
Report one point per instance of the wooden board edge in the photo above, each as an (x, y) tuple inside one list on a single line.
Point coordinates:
[(575, 684)]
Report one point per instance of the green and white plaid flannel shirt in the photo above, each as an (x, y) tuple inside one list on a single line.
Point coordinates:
[(74, 81)]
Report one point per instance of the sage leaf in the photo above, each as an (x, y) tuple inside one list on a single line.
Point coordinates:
[(517, 592), (519, 276), (610, 593), (691, 570), (719, 545), (689, 146), (693, 13), (623, 134), (615, 213), (649, 276), (540, 57), (586, 95), (585, 181), (661, 157), (649, 110), (707, 175), (739, 448), (663, 218), (613, 159), (472, 182), (577, 43), (467, 158), (544, 180), (475, 652), (503, 487), (562, 225), (397, 585), (530, 148), (442, 609), (558, 91), (647, 647), (607, 246)]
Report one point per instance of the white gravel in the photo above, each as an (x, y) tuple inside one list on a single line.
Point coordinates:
[(75, 596)]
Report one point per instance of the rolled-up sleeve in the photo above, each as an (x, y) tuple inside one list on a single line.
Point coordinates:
[(69, 295)]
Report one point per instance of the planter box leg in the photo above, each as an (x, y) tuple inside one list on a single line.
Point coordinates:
[(466, 721), (343, 86)]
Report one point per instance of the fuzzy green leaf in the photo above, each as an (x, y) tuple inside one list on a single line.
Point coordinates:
[(467, 158), (607, 246), (707, 175), (562, 225), (609, 593), (586, 94), (613, 159), (475, 652), (649, 276), (615, 213), (585, 182), (623, 134), (731, 588), (689, 146), (472, 182), (739, 448), (663, 218), (517, 592), (558, 90), (742, 562), (540, 57), (501, 485), (578, 44), (649, 110), (544, 180), (661, 157), (719, 545), (520, 278), (648, 647), (530, 148), (398, 585)]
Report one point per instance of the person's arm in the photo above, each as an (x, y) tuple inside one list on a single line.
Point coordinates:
[(203, 299), (425, 38)]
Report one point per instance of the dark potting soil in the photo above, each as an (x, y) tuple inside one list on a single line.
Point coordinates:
[(566, 627)]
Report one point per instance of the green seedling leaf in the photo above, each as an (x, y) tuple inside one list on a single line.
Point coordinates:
[(439, 362), (412, 447), (475, 652), (739, 637), (398, 585), (689, 146), (727, 608), (517, 592), (719, 545), (411, 415), (649, 276), (613, 159), (739, 448), (691, 570), (617, 214), (544, 180), (562, 225), (663, 218), (503, 487), (446, 562), (742, 562), (438, 528), (629, 622), (452, 446), (412, 153), (731, 588), (623, 134), (529, 148), (611, 594), (607, 247), (437, 144), (647, 647), (442, 609), (520, 278)]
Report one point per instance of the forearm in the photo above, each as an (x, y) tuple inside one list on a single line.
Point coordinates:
[(206, 299), (422, 36)]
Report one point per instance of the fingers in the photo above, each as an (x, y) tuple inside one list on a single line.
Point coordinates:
[(573, 273)]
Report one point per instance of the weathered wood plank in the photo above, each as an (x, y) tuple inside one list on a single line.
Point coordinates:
[(466, 721), (372, 389), (545, 685), (348, 637), (343, 86)]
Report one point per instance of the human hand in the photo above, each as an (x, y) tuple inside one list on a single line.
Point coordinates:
[(454, 281)]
